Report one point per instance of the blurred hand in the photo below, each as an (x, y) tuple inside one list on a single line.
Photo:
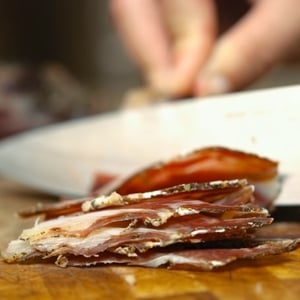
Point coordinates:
[(178, 48)]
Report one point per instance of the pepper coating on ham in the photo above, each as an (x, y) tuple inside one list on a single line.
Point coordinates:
[(192, 225), (203, 165), (212, 164)]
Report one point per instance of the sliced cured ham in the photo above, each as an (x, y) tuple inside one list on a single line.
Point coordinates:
[(181, 210), (197, 211), (225, 192), (132, 241), (189, 259), (205, 165)]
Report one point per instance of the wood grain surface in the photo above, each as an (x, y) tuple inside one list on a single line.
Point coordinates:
[(276, 277)]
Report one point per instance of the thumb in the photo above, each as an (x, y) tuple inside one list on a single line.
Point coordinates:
[(251, 47)]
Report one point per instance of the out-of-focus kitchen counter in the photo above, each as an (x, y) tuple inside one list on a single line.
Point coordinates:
[(276, 277)]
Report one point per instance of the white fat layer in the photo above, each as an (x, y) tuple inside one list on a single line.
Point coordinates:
[(174, 259), (16, 250), (72, 223), (168, 259), (199, 231), (83, 245)]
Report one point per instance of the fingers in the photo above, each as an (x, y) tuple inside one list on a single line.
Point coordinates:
[(144, 34), (192, 25), (169, 39), (251, 47)]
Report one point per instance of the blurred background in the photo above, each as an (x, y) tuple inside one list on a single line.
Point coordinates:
[(59, 59), (62, 59)]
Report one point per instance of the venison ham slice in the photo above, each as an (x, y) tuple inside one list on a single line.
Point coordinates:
[(211, 164), (197, 211), (178, 227), (188, 259), (202, 165)]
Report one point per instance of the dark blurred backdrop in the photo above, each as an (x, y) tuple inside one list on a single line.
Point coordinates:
[(62, 59), (76, 33), (59, 59)]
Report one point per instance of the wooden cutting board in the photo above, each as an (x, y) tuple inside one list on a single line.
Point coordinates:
[(276, 277)]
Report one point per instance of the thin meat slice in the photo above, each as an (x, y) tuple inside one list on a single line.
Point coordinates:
[(201, 166), (191, 225), (132, 241), (54, 210), (149, 213), (190, 259), (229, 192), (204, 165), (226, 192)]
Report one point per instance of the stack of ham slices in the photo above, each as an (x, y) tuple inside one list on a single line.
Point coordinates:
[(196, 211)]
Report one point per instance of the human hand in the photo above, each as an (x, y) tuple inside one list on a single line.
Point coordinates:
[(177, 46)]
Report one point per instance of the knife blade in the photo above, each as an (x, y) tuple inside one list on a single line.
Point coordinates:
[(62, 159)]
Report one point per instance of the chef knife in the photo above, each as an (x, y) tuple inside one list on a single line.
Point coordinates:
[(62, 159)]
